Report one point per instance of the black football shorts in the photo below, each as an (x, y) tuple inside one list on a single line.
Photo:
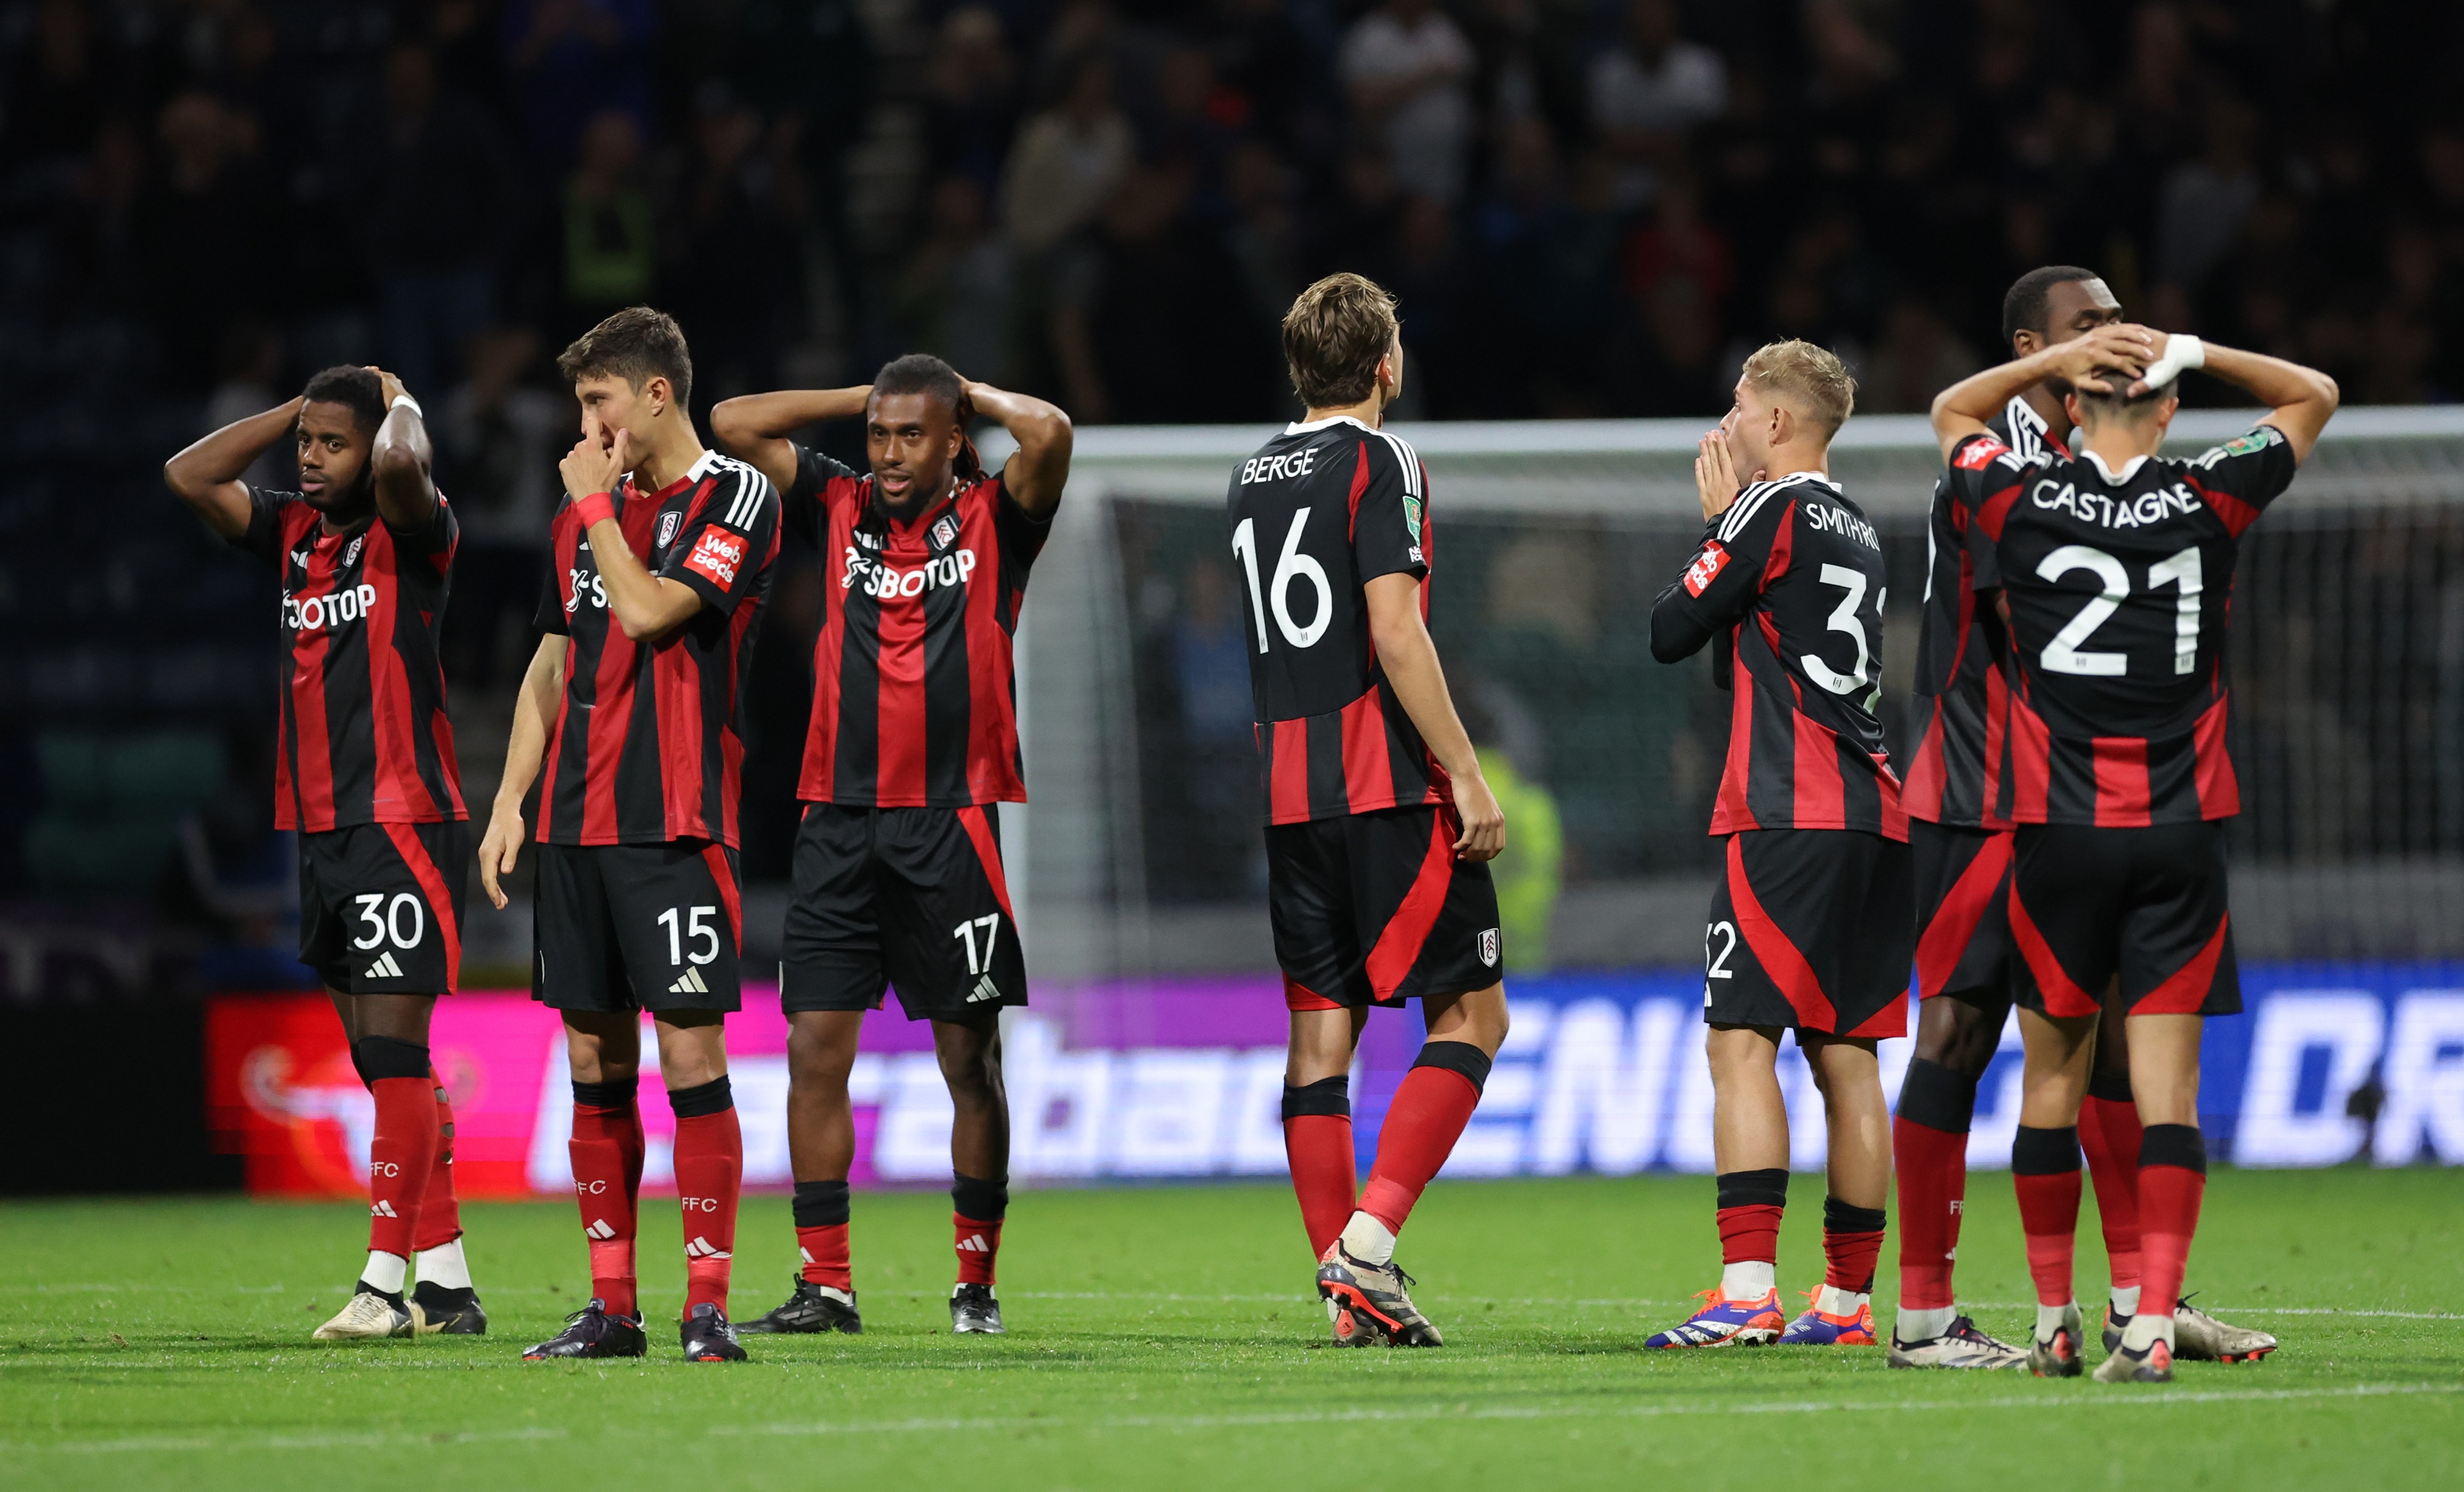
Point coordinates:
[(1375, 909), (2148, 904), (912, 898), (380, 906), (637, 927), (1963, 896), (1811, 928)]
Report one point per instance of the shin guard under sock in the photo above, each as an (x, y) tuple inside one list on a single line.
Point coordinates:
[(606, 1151), (440, 1210), (2110, 1133), (402, 1150), (822, 1233), (977, 1207), (1431, 1106), (1930, 1155), (710, 1173), (2045, 1172), (1317, 1142), (2172, 1181)]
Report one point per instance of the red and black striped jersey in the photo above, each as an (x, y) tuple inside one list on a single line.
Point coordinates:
[(1790, 580), (2119, 585), (1960, 712), (649, 744), (364, 738), (1317, 514), (915, 695)]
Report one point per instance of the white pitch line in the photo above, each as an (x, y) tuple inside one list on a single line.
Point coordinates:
[(2263, 1310), (153, 1444)]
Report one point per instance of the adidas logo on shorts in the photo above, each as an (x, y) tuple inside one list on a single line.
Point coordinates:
[(985, 989), (385, 968), (690, 984)]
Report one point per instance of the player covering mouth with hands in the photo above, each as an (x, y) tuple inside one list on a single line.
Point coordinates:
[(1809, 928), (2113, 571), (365, 774)]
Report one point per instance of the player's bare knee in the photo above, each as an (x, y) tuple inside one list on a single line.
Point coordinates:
[(1953, 1034)]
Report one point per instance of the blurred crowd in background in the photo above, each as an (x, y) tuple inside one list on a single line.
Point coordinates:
[(1590, 208)]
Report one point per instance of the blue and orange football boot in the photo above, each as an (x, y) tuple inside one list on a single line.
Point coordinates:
[(1726, 1323), (1818, 1328)]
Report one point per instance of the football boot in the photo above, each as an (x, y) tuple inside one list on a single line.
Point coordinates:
[(1961, 1346), (1369, 1304), (366, 1317), (593, 1332), (1726, 1323), (809, 1308), (707, 1336), (2058, 1355), (437, 1310), (1818, 1328), (974, 1311)]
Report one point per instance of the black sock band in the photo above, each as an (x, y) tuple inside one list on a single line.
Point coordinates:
[(382, 1057), (616, 1093), (984, 1202), (713, 1097), (1754, 1187), (1456, 1057), (1838, 1216), (1329, 1096), (2174, 1145), (2044, 1153), (2114, 1087), (820, 1205), (1938, 1097)]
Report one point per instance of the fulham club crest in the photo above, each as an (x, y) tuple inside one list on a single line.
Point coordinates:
[(1488, 947), (351, 556), (669, 523), (945, 532)]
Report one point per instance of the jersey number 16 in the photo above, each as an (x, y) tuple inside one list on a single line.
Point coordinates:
[(1291, 565)]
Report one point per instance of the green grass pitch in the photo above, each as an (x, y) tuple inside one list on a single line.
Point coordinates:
[(1165, 1338)]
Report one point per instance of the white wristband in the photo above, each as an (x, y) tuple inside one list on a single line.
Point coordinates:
[(400, 399), (2182, 352)]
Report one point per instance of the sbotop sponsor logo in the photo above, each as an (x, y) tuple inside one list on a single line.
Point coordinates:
[(581, 585), (887, 582), (317, 613)]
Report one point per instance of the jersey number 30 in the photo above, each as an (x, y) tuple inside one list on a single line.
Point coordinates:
[(2062, 656), (1291, 565)]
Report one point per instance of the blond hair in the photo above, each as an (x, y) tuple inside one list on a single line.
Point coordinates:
[(1810, 377), (1334, 336)]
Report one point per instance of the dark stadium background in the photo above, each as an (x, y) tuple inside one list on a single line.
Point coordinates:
[(203, 202)]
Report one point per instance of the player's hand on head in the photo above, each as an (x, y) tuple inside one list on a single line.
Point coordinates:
[(1484, 822), (2124, 350), (388, 387)]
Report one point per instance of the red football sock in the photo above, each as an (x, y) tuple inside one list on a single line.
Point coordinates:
[(400, 1156), (2109, 1132), (1430, 1109), (440, 1213), (2172, 1181), (1750, 1235), (1852, 1239), (977, 1241), (825, 1256), (606, 1151), (710, 1173), (1319, 1147), (2048, 1215), (1932, 1166)]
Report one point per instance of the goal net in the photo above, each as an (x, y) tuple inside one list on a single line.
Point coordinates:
[(1143, 853)]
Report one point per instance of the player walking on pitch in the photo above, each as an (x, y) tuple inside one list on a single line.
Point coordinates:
[(1379, 823), (2114, 572), (659, 559), (912, 747), (1809, 927), (365, 773), (1958, 836)]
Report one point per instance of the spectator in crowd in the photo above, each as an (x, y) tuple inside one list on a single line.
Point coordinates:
[(1068, 161), (611, 244), (573, 60), (497, 439), (211, 234), (1648, 91), (971, 92), (437, 201), (1407, 69), (954, 297)]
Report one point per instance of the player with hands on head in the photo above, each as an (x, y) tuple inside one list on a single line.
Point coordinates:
[(1380, 824), (912, 748), (1809, 928), (2113, 571), (365, 551), (631, 719)]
